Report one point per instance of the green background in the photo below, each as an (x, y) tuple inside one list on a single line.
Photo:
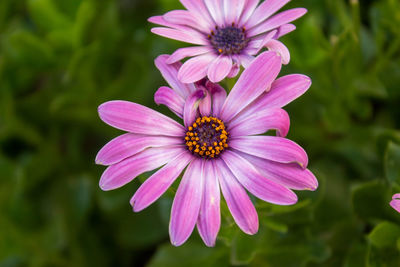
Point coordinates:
[(60, 59)]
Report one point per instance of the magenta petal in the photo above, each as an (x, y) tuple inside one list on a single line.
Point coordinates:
[(232, 10), (170, 74), (171, 99), (187, 202), (261, 122), (285, 29), (288, 175), (246, 59), (272, 148), (190, 112), (264, 11), (215, 8), (218, 97), (159, 182), (127, 145), (395, 203), (184, 17), (125, 171), (191, 51), (255, 183), (283, 91), (239, 203), (277, 21), (258, 43), (252, 83), (280, 48), (205, 104), (209, 219), (183, 35), (135, 118), (219, 68), (234, 70), (248, 11), (199, 10), (195, 68)]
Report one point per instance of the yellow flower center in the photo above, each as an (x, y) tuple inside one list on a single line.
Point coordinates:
[(207, 137)]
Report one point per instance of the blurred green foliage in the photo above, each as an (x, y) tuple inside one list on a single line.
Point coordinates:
[(60, 59)]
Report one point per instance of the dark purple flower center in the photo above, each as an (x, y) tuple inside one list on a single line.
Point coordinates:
[(207, 137), (229, 40)]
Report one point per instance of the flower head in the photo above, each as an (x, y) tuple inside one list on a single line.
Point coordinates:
[(229, 33), (395, 203), (219, 148)]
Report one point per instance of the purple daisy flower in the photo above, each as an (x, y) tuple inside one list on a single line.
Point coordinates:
[(228, 34), (395, 203), (219, 148)]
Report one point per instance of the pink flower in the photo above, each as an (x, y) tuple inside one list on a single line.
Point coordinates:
[(395, 203), (220, 145), (228, 34)]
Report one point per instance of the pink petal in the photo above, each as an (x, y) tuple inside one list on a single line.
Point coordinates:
[(161, 21), (396, 196), (280, 48), (159, 182), (255, 183), (232, 10), (234, 70), (127, 145), (190, 112), (264, 11), (259, 42), (285, 29), (170, 74), (253, 81), (125, 171), (239, 203), (277, 21), (205, 104), (185, 52), (183, 35), (272, 148), (171, 99), (283, 91), (260, 122), (219, 68), (184, 17), (215, 8), (246, 60), (248, 11), (195, 68), (209, 219), (218, 97), (288, 175), (395, 203), (199, 10), (135, 118), (187, 202)]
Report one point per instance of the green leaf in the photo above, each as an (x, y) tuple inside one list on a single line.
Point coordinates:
[(385, 234), (392, 163), (370, 201), (190, 254)]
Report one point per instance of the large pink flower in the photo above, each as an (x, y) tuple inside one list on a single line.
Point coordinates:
[(220, 147), (229, 33), (395, 203)]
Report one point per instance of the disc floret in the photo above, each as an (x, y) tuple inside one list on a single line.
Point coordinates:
[(207, 137)]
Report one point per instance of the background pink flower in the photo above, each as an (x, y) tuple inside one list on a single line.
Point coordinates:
[(395, 203), (229, 33), (219, 145)]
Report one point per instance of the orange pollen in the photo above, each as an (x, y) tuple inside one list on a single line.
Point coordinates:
[(207, 137)]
